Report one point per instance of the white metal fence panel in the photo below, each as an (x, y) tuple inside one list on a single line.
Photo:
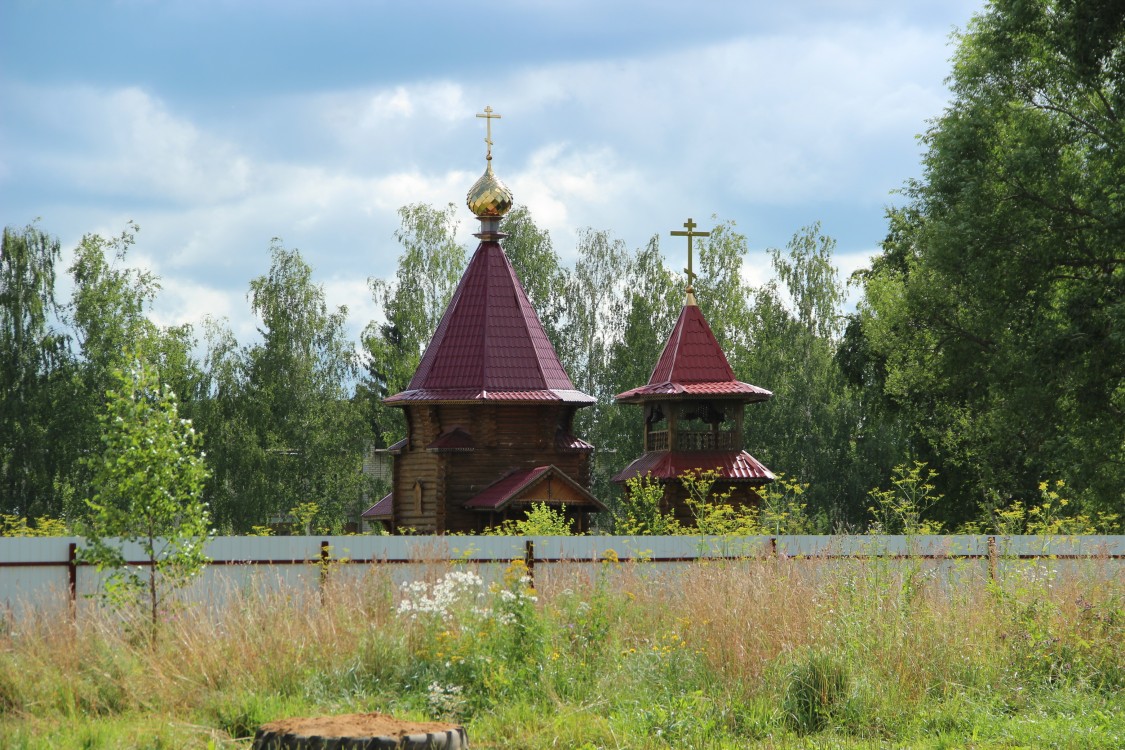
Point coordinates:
[(38, 574)]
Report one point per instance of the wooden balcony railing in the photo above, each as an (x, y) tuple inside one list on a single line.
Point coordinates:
[(695, 440)]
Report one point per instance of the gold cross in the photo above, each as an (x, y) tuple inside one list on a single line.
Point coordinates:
[(488, 116), (690, 225)]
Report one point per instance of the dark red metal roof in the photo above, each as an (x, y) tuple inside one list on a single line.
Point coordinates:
[(454, 440), (490, 345), (499, 493), (736, 466), (502, 492), (735, 390), (381, 509), (693, 364), (471, 396), (571, 444)]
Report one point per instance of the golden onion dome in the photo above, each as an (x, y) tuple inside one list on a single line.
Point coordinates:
[(489, 196)]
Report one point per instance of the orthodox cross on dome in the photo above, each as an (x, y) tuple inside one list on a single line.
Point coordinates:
[(690, 226), (488, 116)]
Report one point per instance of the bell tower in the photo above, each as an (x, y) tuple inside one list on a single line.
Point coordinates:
[(693, 411)]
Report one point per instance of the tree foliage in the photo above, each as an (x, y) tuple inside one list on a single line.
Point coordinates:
[(994, 315), (818, 425), (429, 267), (724, 295), (108, 321), (62, 357), (539, 269), (33, 351), (284, 420), (594, 313)]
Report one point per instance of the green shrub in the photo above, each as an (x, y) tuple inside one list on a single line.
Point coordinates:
[(639, 513), (541, 520)]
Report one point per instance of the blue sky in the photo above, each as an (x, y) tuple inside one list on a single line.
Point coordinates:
[(217, 125)]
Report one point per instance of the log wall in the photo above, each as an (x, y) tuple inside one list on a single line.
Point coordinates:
[(507, 437)]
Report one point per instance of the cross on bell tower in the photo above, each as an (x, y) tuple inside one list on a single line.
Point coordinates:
[(690, 225)]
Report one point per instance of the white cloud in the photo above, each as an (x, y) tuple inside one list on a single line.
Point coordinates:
[(568, 188), (441, 101), (355, 294), (775, 119), (188, 302), (390, 192), (743, 127), (125, 142)]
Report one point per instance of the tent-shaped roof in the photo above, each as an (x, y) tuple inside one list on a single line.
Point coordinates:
[(490, 345), (693, 364), (523, 486)]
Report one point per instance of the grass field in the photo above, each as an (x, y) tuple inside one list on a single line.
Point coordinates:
[(761, 654)]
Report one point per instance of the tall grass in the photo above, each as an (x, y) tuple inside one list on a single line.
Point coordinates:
[(760, 652)]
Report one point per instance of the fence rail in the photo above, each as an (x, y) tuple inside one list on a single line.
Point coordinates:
[(35, 571)]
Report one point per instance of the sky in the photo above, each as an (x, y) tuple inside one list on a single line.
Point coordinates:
[(218, 125)]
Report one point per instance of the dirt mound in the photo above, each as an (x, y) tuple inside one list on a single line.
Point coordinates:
[(368, 731)]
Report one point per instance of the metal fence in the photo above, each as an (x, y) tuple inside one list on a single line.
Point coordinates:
[(39, 574)]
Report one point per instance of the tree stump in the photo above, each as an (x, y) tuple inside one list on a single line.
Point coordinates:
[(359, 732)]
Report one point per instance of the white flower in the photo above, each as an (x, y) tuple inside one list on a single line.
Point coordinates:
[(452, 591)]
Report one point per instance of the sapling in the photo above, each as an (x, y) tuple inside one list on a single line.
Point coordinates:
[(148, 484)]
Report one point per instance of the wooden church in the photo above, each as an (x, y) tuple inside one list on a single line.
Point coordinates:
[(693, 413), (490, 410)]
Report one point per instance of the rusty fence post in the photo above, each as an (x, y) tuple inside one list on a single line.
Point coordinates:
[(992, 559), (529, 560), (72, 577), (325, 558)]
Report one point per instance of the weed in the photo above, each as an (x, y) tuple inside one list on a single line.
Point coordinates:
[(240, 715), (817, 684)]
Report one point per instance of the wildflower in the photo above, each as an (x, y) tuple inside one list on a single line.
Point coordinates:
[(453, 589)]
